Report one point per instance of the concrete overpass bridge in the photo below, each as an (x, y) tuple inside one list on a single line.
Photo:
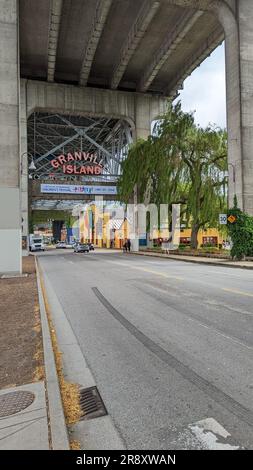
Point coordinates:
[(114, 62)]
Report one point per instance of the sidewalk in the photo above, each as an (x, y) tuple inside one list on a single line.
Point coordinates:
[(200, 260)]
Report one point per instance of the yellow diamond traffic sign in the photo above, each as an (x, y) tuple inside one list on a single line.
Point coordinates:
[(232, 219)]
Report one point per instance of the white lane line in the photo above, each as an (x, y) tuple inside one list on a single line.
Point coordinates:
[(238, 276), (212, 435), (237, 291), (68, 260), (119, 263), (230, 338), (208, 302)]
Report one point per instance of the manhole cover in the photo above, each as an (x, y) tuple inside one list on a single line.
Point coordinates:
[(91, 403), (13, 402)]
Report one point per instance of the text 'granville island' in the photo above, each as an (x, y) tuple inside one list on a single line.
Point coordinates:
[(91, 164)]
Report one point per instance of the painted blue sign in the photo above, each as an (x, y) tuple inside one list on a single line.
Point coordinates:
[(77, 189)]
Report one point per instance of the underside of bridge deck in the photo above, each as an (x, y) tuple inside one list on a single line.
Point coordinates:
[(143, 45)]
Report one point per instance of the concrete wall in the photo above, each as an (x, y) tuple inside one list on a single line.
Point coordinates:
[(136, 108), (245, 19), (232, 56), (23, 165), (10, 220)]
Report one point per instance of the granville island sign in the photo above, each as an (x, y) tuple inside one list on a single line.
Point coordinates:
[(91, 164)]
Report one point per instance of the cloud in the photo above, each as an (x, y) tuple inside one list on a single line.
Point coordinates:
[(205, 91)]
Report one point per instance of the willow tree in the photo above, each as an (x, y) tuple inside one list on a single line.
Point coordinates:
[(205, 160), (154, 165), (179, 164)]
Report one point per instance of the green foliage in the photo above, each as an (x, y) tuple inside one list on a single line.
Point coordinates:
[(154, 165), (241, 233), (44, 216), (180, 164)]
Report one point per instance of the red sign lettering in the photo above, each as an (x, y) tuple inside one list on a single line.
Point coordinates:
[(90, 167)]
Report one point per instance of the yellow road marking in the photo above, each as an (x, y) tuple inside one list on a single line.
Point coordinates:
[(167, 276), (240, 292)]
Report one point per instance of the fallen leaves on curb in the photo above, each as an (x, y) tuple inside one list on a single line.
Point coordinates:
[(69, 391), (75, 445), (39, 374)]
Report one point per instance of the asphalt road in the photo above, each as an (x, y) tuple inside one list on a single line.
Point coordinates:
[(170, 345)]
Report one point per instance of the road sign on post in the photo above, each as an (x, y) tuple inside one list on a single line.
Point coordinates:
[(223, 219), (232, 219)]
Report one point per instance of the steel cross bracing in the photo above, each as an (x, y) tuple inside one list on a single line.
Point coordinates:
[(50, 135)]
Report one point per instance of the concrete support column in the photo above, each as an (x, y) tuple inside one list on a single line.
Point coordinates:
[(245, 21), (10, 220), (24, 167), (142, 131), (238, 26), (233, 107), (146, 110)]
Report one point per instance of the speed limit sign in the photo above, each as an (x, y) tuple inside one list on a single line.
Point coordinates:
[(223, 219)]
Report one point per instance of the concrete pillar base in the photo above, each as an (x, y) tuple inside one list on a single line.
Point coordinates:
[(135, 245), (10, 234), (10, 219), (10, 242)]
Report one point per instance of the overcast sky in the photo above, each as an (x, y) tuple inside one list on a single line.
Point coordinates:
[(204, 91)]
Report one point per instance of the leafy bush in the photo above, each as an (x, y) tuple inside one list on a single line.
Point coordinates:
[(209, 245), (241, 233)]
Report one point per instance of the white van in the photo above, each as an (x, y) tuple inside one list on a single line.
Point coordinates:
[(36, 243)]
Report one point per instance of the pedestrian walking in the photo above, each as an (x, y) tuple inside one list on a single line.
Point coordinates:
[(129, 244)]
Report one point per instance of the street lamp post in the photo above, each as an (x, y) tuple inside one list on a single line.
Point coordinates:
[(32, 165)]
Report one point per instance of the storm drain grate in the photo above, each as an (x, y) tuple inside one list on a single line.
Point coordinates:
[(92, 405), (14, 402)]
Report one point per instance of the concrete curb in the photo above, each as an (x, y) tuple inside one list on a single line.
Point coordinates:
[(195, 260), (95, 434), (59, 433)]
